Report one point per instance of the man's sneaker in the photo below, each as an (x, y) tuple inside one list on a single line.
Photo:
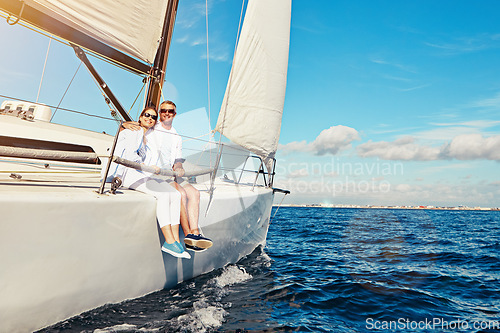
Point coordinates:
[(176, 250), (198, 241), (194, 248)]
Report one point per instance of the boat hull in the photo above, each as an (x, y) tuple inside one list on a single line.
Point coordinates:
[(71, 250)]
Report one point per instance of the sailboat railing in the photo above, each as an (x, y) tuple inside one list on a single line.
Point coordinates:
[(259, 171)]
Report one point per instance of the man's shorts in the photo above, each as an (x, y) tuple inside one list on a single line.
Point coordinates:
[(181, 181)]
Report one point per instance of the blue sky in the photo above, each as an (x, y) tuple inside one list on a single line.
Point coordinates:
[(388, 102)]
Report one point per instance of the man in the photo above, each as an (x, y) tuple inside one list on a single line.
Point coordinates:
[(165, 139)]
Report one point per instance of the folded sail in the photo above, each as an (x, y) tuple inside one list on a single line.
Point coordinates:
[(132, 27), (251, 112)]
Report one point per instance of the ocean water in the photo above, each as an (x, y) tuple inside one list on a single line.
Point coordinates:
[(336, 270)]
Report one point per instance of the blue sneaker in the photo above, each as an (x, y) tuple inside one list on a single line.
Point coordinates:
[(198, 241), (176, 250)]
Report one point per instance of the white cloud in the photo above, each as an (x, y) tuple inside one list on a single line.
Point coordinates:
[(444, 133), (183, 39), (447, 131), (447, 168), (402, 188), (301, 173), (415, 88), (193, 15), (397, 78), (295, 146), (329, 141), (467, 44), (198, 41), (393, 64), (480, 124), (333, 139), (462, 147), (193, 32), (402, 149), (219, 53), (472, 147), (487, 102)]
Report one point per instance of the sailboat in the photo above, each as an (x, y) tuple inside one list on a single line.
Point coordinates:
[(71, 242)]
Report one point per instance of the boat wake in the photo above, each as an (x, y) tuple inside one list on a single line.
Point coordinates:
[(199, 305), (209, 312)]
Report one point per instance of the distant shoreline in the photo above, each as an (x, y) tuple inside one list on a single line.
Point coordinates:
[(390, 207)]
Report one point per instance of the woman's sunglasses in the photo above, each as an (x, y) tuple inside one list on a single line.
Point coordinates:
[(147, 115)]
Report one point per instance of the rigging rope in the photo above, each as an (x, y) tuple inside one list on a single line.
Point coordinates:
[(278, 208), (65, 92), (231, 74), (161, 93), (230, 77), (18, 18), (43, 71), (220, 145), (135, 100), (208, 76), (208, 64), (112, 109)]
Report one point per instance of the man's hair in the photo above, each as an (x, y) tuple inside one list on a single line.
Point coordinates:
[(168, 103)]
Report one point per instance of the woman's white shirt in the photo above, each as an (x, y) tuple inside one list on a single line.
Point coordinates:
[(132, 146)]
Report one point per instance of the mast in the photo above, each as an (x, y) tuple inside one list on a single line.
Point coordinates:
[(157, 75)]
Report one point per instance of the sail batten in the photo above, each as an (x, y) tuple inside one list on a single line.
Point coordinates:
[(252, 108)]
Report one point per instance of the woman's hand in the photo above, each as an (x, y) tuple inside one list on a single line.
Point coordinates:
[(131, 125)]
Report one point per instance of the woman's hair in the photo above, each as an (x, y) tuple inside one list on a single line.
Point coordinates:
[(146, 109)]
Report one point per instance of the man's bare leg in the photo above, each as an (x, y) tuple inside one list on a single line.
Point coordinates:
[(193, 207), (189, 218), (184, 216)]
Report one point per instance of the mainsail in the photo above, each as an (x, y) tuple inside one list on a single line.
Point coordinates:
[(134, 28), (252, 108)]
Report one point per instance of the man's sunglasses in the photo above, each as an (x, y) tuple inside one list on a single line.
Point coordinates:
[(171, 111), (147, 115)]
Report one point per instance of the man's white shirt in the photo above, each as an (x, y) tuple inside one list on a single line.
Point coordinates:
[(166, 145)]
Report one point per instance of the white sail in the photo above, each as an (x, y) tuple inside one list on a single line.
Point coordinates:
[(133, 27), (253, 104)]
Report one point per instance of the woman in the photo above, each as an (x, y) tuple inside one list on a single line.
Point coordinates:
[(132, 145)]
